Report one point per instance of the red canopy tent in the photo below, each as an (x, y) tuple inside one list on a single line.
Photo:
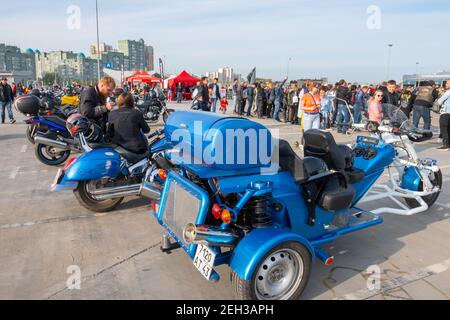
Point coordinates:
[(142, 76), (186, 80)]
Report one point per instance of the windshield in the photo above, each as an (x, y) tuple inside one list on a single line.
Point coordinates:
[(395, 117)]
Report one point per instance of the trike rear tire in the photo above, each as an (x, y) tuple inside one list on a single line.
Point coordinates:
[(247, 290)]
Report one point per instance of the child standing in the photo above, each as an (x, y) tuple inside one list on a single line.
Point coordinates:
[(223, 105)]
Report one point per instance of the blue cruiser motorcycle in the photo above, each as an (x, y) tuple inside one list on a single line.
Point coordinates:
[(105, 173)]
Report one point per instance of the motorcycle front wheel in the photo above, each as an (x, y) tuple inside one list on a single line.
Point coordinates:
[(86, 199), (436, 180), (31, 131), (51, 156)]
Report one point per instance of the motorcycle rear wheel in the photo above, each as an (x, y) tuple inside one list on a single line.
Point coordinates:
[(85, 198), (49, 156), (432, 198), (281, 275)]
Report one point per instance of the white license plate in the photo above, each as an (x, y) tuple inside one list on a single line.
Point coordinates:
[(58, 175), (204, 260)]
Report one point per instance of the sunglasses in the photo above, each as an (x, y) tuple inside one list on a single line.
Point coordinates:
[(379, 95)]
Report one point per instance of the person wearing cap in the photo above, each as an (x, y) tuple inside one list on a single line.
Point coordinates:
[(6, 100)]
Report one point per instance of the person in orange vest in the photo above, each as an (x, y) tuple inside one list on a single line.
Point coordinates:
[(310, 105)]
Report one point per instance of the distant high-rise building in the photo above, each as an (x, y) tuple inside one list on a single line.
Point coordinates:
[(12, 60), (150, 57), (104, 48), (67, 66), (225, 75), (136, 53)]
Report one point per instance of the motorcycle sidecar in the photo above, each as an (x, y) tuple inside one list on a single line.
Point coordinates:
[(267, 221)]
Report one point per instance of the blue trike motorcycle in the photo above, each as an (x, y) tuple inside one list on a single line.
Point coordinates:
[(236, 196)]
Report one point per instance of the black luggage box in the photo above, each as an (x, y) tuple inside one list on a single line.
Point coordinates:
[(28, 104)]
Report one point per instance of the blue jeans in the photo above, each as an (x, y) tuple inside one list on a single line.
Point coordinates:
[(342, 118), (235, 104), (326, 120), (213, 104), (6, 105), (422, 112), (179, 97), (276, 111), (358, 113), (311, 121)]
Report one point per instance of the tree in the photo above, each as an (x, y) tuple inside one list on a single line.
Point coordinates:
[(48, 78)]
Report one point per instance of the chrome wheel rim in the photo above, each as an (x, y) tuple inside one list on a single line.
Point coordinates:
[(279, 276)]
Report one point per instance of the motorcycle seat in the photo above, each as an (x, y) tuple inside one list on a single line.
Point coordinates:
[(321, 144), (103, 145), (55, 119), (290, 161), (131, 156)]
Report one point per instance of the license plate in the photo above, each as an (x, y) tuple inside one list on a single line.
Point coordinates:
[(58, 176), (204, 260)]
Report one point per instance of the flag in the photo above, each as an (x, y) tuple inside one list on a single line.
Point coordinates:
[(251, 78)]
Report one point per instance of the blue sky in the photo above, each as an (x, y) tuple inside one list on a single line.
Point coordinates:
[(324, 38)]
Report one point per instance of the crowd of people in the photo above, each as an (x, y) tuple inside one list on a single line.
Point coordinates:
[(323, 106), (310, 105)]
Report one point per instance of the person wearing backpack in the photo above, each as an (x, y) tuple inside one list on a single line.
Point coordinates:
[(444, 120), (426, 95)]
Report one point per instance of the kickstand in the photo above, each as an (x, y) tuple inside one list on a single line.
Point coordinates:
[(166, 246)]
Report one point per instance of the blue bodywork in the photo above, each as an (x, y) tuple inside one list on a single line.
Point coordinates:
[(51, 125), (99, 164), (290, 219)]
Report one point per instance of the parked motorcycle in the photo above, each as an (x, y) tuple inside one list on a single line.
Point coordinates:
[(104, 175), (416, 181), (265, 217), (48, 107), (153, 107)]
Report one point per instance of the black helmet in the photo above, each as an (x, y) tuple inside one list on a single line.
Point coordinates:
[(76, 123), (94, 134), (36, 92)]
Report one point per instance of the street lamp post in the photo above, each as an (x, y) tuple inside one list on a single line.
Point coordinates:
[(417, 68), (98, 41), (288, 66), (389, 61)]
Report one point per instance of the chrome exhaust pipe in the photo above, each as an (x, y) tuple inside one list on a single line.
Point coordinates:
[(52, 143), (118, 192), (210, 236), (151, 191)]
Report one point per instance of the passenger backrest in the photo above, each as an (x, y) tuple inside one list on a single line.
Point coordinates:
[(321, 144)]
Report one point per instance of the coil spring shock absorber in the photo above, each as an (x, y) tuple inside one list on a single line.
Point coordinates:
[(259, 206)]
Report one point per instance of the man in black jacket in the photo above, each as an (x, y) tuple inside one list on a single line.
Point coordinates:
[(6, 100), (215, 94), (93, 104), (390, 95), (204, 92)]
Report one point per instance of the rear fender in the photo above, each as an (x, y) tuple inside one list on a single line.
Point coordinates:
[(253, 247), (94, 165)]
